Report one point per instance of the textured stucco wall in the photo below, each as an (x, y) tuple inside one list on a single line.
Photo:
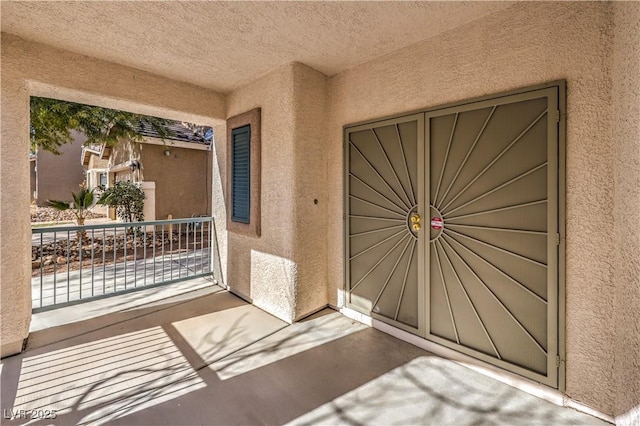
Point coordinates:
[(96, 163), (263, 268), (200, 41), (310, 108), (35, 69), (182, 180), (122, 154), (283, 271), (219, 209), (15, 226), (32, 178), (626, 143), (524, 45), (59, 175)]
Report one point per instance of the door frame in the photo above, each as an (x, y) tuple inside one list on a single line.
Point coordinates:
[(560, 200)]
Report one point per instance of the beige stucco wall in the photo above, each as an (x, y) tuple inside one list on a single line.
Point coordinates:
[(283, 271), (32, 178), (524, 45), (626, 143), (263, 269), (219, 206), (96, 163), (15, 231), (59, 175), (182, 179), (310, 148), (35, 69)]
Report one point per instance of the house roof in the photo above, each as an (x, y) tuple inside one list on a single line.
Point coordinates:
[(86, 153), (178, 132), (198, 136)]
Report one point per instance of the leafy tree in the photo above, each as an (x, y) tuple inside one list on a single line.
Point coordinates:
[(52, 120), (127, 198)]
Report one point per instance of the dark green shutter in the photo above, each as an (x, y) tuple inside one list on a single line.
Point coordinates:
[(240, 174)]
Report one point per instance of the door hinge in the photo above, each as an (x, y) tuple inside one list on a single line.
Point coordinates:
[(558, 361), (557, 239), (557, 116)]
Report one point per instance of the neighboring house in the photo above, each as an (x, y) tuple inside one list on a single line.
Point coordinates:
[(338, 89), (96, 169), (174, 173), (32, 176), (54, 177), (96, 173)]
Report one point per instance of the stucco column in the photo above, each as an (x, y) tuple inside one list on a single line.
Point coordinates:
[(284, 270), (149, 189), (15, 231), (30, 68), (311, 200), (626, 278)]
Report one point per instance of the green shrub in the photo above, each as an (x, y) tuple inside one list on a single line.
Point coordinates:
[(128, 200)]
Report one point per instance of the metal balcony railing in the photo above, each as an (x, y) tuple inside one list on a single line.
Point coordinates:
[(71, 264)]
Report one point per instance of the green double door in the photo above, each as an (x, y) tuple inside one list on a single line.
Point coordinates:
[(452, 227)]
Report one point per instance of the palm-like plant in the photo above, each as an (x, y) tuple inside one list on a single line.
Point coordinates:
[(82, 201)]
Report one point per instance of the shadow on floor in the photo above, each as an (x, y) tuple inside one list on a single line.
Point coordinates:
[(216, 360)]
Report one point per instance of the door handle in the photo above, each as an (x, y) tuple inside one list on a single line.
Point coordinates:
[(415, 222)]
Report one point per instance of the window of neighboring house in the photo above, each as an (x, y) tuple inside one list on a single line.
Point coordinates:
[(103, 180), (243, 173)]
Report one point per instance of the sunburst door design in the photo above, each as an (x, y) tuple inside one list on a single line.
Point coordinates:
[(452, 227), (383, 248), (493, 221)]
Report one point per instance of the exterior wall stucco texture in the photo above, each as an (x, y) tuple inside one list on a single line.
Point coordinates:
[(59, 175), (310, 107), (182, 180), (39, 70), (199, 42), (284, 270), (591, 45), (626, 140), (96, 163), (219, 206), (524, 45), (15, 229), (32, 178), (263, 269)]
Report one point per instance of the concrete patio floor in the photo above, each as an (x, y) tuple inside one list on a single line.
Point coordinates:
[(208, 358)]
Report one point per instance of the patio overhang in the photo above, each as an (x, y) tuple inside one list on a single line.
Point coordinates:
[(330, 38), (331, 65)]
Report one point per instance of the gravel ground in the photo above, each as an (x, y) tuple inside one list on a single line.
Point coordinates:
[(47, 258), (48, 214)]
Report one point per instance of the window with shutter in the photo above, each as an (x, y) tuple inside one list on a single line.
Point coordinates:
[(241, 174)]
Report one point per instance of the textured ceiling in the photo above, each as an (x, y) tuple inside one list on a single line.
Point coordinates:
[(223, 45)]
